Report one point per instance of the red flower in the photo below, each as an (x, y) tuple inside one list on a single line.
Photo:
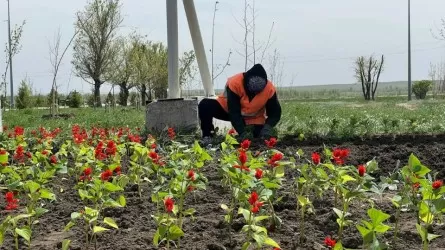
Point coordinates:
[(232, 131), (329, 242), (19, 153), (86, 174), (153, 146), (273, 160), (191, 175), (169, 204), (276, 248), (87, 171), (242, 157), (340, 155), (253, 200), (53, 159), (2, 151), (11, 202), (190, 188), (316, 158), (117, 170), (18, 131), (111, 148), (45, 152), (9, 196), (106, 175), (258, 173), (416, 185), (245, 144), (271, 142), (437, 184), (361, 170), (171, 133)]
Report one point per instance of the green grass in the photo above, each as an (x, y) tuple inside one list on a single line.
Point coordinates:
[(340, 118), (32, 118)]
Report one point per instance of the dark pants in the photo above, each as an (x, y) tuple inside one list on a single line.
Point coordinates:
[(209, 109)]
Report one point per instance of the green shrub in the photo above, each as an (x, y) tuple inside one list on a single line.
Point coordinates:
[(74, 99), (420, 88), (24, 97)]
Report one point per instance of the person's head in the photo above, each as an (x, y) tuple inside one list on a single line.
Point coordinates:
[(255, 79)]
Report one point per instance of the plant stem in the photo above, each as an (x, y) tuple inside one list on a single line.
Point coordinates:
[(168, 230), (396, 228), (345, 210), (16, 239), (301, 224)]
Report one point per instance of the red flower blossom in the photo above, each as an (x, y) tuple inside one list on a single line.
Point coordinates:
[(316, 158), (19, 153), (11, 202), (329, 242), (361, 170), (153, 145), (117, 170), (86, 175), (99, 151), (232, 131), (253, 200), (245, 144), (437, 184), (271, 142), (45, 152), (53, 159), (242, 157), (169, 204), (171, 133), (191, 175), (18, 131), (190, 188), (416, 186), (111, 148), (258, 173), (3, 151), (340, 155), (106, 175), (274, 159)]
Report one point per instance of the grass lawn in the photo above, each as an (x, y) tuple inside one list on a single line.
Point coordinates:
[(338, 118)]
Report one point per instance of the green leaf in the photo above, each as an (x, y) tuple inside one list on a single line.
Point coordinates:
[(98, 229), (259, 238), (111, 187), (245, 213), (270, 242), (421, 231), (366, 233), (46, 194), (110, 222), (224, 207), (338, 212), (40, 211), (75, 215), (345, 178), (24, 232), (66, 244), (279, 171), (382, 228), (69, 226), (32, 186), (417, 166), (377, 216), (189, 211), (304, 201), (3, 158), (245, 246), (174, 232), (260, 218), (122, 201), (432, 236), (84, 194)]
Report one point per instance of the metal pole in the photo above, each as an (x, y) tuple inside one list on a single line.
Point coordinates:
[(172, 42), (10, 60), (409, 51), (198, 45)]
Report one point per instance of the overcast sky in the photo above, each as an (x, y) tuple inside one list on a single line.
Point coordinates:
[(317, 39)]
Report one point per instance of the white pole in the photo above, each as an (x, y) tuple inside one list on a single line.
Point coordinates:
[(1, 118), (172, 42), (409, 51), (198, 44)]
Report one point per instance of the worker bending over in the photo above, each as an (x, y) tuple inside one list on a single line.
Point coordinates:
[(249, 100)]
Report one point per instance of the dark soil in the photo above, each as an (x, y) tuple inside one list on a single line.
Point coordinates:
[(208, 231)]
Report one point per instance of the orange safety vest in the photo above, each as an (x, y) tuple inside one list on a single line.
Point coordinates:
[(253, 112)]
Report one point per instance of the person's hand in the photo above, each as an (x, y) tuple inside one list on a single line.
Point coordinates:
[(266, 132)]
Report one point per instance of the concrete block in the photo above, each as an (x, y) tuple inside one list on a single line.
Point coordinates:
[(181, 114)]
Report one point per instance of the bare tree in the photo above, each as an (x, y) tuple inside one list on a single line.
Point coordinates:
[(437, 76), (94, 50), (16, 34), (55, 58), (367, 72), (276, 65), (251, 46), (220, 67)]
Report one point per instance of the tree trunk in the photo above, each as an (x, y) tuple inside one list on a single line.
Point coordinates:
[(97, 101), (123, 94), (143, 94)]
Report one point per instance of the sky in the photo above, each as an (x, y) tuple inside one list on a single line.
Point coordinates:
[(317, 40)]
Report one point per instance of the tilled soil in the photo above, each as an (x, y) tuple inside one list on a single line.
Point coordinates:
[(208, 231)]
